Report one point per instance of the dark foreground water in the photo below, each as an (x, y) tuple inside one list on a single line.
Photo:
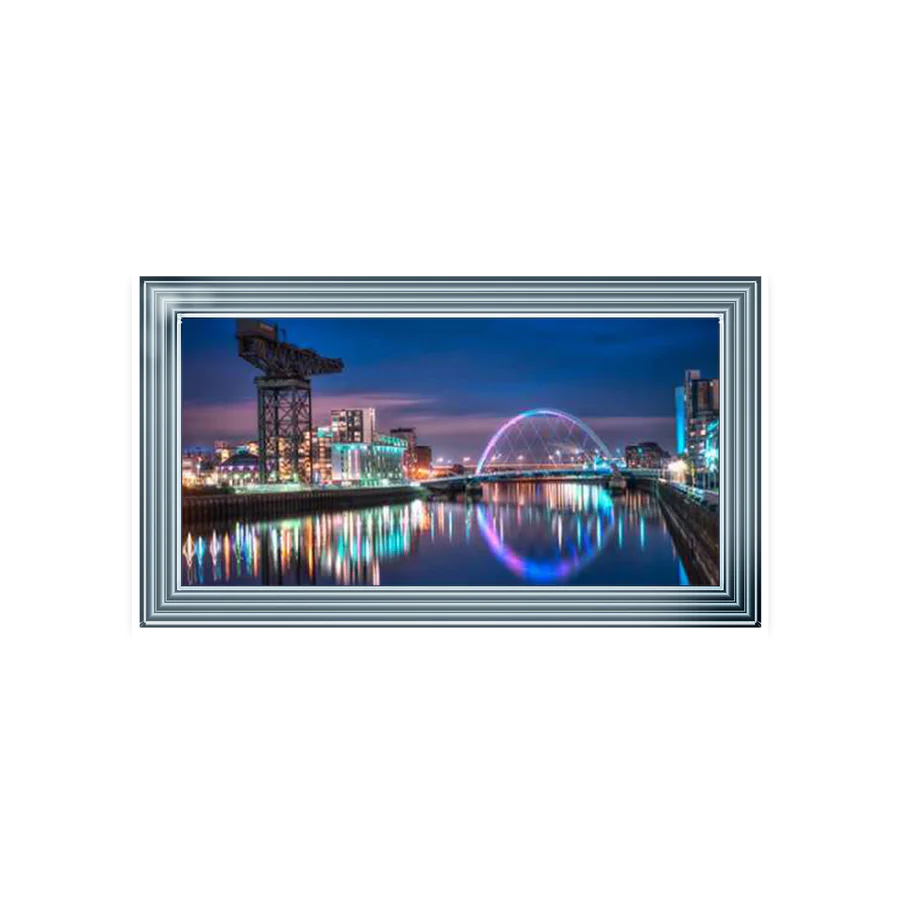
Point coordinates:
[(517, 534)]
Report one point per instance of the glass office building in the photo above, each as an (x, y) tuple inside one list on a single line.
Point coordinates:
[(368, 464), (680, 422)]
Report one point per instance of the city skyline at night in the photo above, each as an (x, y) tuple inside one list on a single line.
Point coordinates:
[(456, 380)]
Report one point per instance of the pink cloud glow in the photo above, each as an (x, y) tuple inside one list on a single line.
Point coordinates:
[(203, 423), (448, 434)]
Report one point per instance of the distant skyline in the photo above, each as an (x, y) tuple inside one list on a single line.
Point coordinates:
[(457, 380)]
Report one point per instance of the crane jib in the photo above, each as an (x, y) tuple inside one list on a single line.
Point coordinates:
[(284, 399)]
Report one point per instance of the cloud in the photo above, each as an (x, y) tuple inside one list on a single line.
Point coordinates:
[(203, 423), (600, 423), (463, 434), (450, 434), (617, 431), (452, 425), (324, 403)]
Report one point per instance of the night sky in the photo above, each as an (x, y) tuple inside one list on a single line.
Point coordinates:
[(457, 380)]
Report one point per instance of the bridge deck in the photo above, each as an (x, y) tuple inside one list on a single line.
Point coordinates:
[(521, 474)]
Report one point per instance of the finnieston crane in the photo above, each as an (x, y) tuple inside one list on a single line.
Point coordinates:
[(284, 399)]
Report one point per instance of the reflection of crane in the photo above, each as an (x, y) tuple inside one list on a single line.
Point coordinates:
[(284, 399)]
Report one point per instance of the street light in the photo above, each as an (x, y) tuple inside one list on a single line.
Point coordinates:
[(677, 469)]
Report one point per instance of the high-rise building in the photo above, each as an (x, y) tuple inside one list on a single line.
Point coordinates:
[(353, 426), (704, 396), (680, 421), (690, 376), (410, 456), (703, 412)]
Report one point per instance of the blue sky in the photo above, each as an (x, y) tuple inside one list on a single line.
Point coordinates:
[(457, 380)]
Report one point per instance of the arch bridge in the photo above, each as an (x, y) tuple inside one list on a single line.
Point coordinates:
[(539, 443)]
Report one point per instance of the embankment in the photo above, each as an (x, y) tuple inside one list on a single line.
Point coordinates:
[(215, 507), (694, 528)]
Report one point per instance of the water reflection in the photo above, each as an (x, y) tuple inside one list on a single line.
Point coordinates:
[(333, 548), (526, 533), (576, 518)]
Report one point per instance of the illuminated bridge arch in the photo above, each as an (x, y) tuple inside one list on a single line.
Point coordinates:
[(572, 425)]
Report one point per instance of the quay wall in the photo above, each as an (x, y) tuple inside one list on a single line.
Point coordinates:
[(694, 529), (215, 507)]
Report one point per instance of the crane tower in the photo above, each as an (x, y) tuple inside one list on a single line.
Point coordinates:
[(284, 399)]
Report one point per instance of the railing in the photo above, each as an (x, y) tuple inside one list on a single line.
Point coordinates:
[(700, 495)]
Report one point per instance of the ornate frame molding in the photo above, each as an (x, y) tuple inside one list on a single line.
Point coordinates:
[(164, 602)]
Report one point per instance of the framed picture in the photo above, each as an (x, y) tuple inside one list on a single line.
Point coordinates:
[(450, 451)]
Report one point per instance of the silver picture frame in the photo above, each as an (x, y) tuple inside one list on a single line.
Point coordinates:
[(165, 602)]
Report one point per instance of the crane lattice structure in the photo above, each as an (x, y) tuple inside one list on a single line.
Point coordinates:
[(284, 400)]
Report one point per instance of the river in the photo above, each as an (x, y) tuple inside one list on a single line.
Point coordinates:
[(527, 533)]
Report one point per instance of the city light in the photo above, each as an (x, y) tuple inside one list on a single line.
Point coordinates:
[(677, 470), (541, 517)]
